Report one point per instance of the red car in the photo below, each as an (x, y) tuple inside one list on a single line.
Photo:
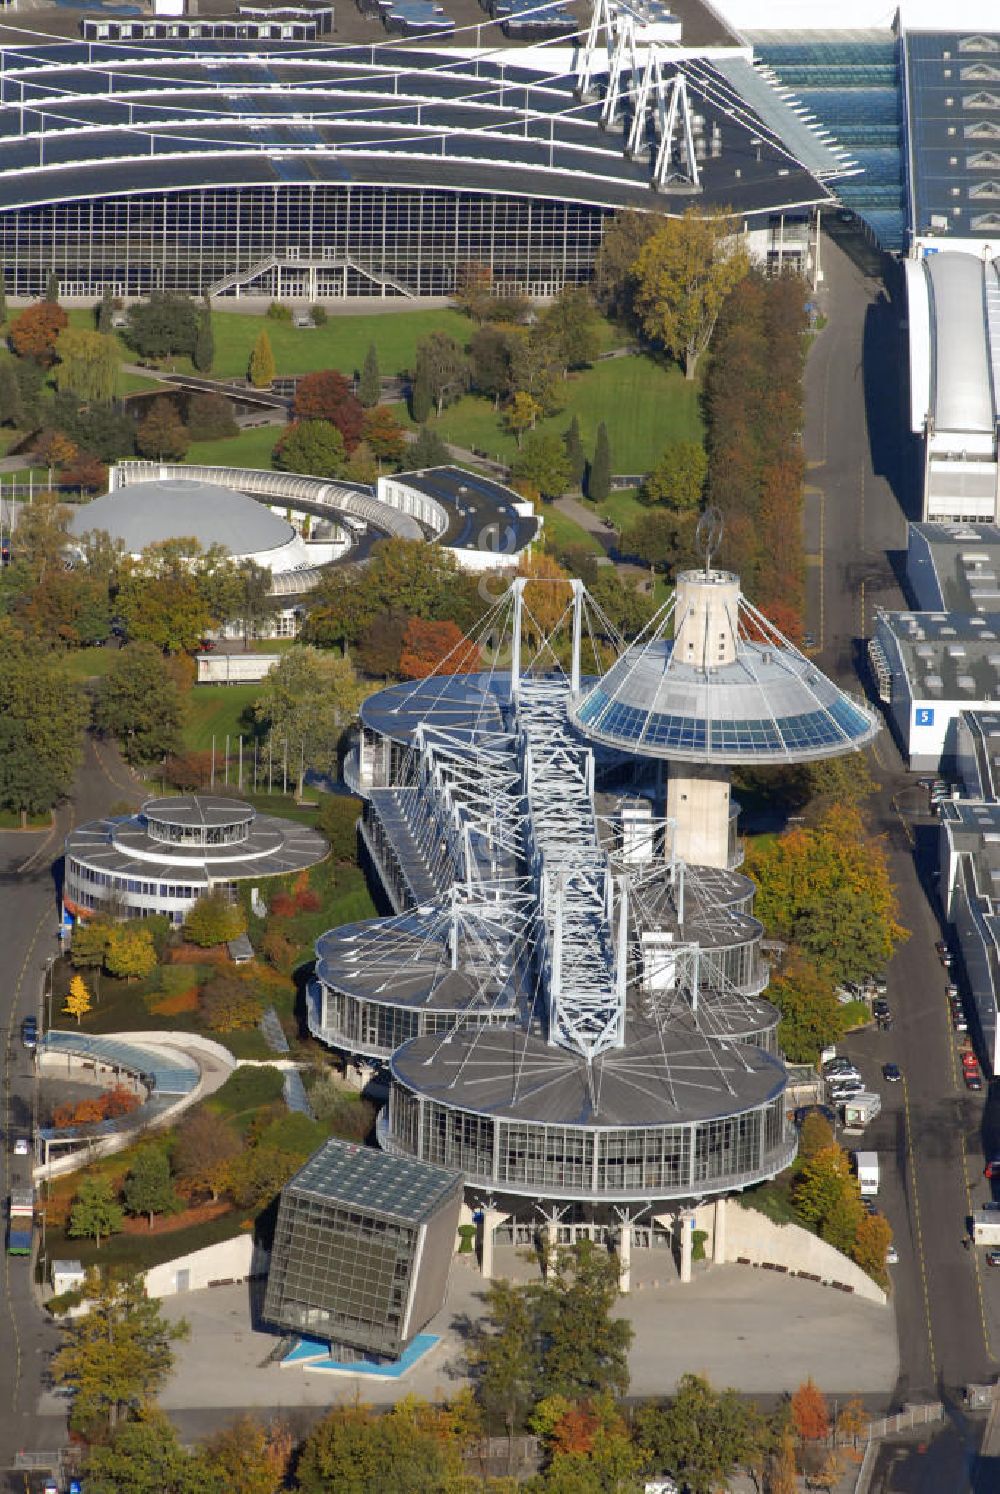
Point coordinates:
[(992, 1168), (972, 1079), (969, 1060)]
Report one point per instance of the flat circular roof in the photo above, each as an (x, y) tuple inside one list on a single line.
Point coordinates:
[(511, 1075), (146, 513), (197, 809)]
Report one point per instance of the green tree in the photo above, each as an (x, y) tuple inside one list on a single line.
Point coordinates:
[(312, 446), (370, 383), (827, 889), (255, 603), (428, 450), (116, 1356), (702, 1437), (337, 821), (88, 363), (131, 953), (161, 433), (421, 399), (209, 417), (811, 1018), (144, 1456), (406, 1450), (384, 435), (678, 479), (95, 1212), (42, 717), (214, 920), (149, 1188), (827, 1196), (490, 362), (3, 299), (505, 1352), (521, 414), (571, 328), (203, 353), (442, 368), (52, 288), (816, 1134), (543, 462), (683, 274), (163, 325), (169, 597), (262, 367), (585, 1349), (307, 701), (139, 704), (599, 477), (614, 267), (11, 403), (104, 315), (575, 456), (89, 944)]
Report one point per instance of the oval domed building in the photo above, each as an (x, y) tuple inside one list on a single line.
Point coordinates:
[(177, 508)]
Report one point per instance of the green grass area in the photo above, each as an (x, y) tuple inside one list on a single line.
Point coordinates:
[(245, 1093), (622, 507), (89, 663), (144, 1250), (11, 820), (216, 710), (560, 530), (774, 1201), (251, 448), (136, 383), (644, 403), (341, 344)]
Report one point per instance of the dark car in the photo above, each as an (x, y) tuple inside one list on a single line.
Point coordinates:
[(29, 1033), (972, 1079), (993, 1257), (891, 1073)]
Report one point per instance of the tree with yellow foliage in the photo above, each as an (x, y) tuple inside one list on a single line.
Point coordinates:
[(684, 272), (78, 1002)]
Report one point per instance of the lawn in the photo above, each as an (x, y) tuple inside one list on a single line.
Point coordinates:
[(251, 448), (644, 403), (560, 530), (214, 710), (341, 344), (89, 663)]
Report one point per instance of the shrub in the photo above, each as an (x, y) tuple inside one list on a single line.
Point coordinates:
[(337, 821), (279, 312), (320, 315), (214, 920), (307, 901), (467, 1235), (278, 950), (228, 1004), (176, 1003), (282, 905)]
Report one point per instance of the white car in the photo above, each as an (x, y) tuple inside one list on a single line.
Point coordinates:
[(22, 1147), (892, 1256)]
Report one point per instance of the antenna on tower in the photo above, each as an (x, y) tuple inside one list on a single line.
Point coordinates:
[(708, 535)]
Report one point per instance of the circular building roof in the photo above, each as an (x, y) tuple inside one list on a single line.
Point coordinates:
[(712, 681), (146, 513), (194, 811)]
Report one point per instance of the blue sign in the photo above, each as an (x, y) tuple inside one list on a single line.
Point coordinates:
[(923, 716)]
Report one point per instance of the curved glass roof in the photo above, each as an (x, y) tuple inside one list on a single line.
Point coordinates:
[(770, 703)]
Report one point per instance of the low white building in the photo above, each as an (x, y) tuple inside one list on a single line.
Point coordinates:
[(928, 668)]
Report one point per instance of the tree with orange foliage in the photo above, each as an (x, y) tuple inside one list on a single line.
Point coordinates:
[(53, 449), (250, 1457), (810, 1416), (545, 599), (85, 471), (34, 331), (436, 648)]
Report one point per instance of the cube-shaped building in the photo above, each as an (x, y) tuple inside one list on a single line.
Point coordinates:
[(361, 1250)]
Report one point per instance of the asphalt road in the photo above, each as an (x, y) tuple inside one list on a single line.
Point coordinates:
[(861, 466), (29, 865)]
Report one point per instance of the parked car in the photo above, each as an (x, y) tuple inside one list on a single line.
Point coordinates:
[(993, 1257), (969, 1059), (892, 1256), (22, 1147), (838, 1066), (29, 1033), (951, 989), (973, 1079), (992, 1168), (891, 1073), (958, 1022)]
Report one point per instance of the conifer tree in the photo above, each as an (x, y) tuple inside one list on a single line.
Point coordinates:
[(262, 366), (599, 480), (575, 454), (370, 385)]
